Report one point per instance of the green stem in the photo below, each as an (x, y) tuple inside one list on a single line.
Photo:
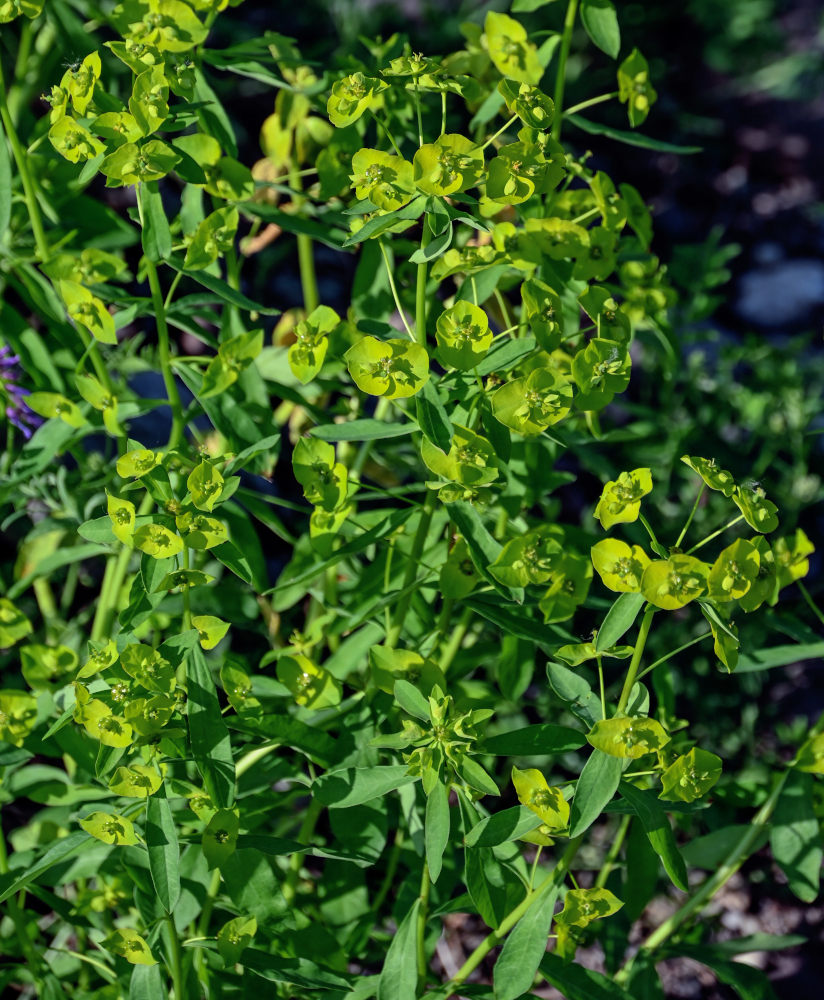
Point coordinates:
[(159, 307), (585, 215), (394, 290), (552, 881), (715, 534), (175, 958), (614, 849), (113, 581), (500, 131), (673, 652), (591, 102), (711, 886), (451, 649), (420, 289), (637, 653), (811, 603), (560, 77), (413, 559), (691, 515), (423, 916), (307, 828), (306, 259), (23, 168), (504, 310)]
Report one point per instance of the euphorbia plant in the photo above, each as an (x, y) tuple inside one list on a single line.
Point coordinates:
[(296, 771)]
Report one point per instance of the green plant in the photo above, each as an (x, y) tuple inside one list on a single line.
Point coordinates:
[(295, 778)]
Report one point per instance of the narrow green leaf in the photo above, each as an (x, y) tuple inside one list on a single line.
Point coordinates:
[(399, 976), (542, 738), (362, 430), (630, 138), (297, 971), (411, 700), (502, 827), (223, 290), (601, 24), (596, 786), (657, 826), (436, 828), (505, 357), (572, 688), (524, 948), (714, 848), (163, 849), (433, 418), (577, 983), (208, 735), (9, 884), (483, 548), (324, 232), (353, 786), (619, 619), (779, 656), (380, 223), (156, 236), (5, 185)]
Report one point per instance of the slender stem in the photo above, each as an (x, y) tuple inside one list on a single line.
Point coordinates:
[(601, 686), (20, 158), (420, 289), (176, 958), (811, 603), (534, 869), (673, 652), (306, 260), (455, 640), (389, 136), (413, 560), (423, 916), (649, 530), (113, 581), (500, 131), (307, 828), (584, 216), (418, 112), (560, 78), (591, 102), (710, 887), (443, 112), (614, 849), (503, 307), (552, 881), (165, 356), (715, 534), (691, 515), (395, 296), (637, 653)]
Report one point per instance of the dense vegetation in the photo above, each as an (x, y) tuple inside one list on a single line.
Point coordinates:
[(323, 625)]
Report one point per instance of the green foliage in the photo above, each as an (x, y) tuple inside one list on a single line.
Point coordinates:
[(269, 671)]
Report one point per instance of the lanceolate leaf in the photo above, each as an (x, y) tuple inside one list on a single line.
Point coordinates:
[(436, 828), (399, 978), (524, 948), (163, 849), (209, 737), (595, 788), (601, 23), (658, 829), (619, 619)]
